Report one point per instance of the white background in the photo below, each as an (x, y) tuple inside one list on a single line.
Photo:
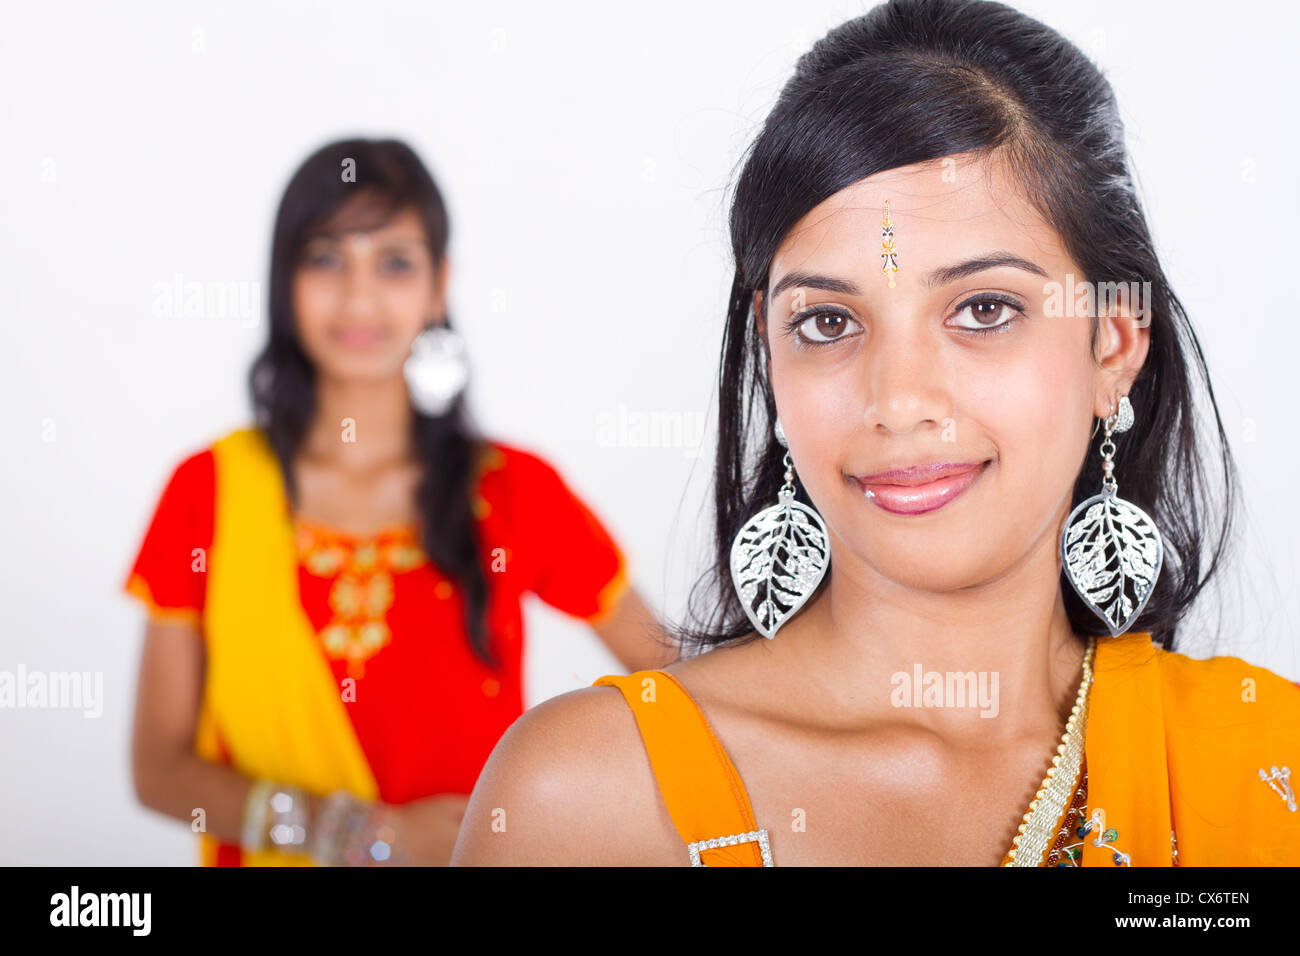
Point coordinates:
[(585, 151)]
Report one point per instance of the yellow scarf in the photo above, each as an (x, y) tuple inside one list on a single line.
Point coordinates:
[(269, 693)]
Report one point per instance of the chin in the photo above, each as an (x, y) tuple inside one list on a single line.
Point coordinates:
[(932, 573), (354, 369), (939, 557)]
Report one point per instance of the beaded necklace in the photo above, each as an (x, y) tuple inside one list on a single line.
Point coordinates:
[(1064, 789)]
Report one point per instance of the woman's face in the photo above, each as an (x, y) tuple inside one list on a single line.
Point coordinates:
[(869, 379), (360, 298)]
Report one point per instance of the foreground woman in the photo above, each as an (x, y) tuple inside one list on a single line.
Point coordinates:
[(335, 636), (976, 512)]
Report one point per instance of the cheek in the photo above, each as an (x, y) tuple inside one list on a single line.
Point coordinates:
[(315, 299), (406, 303), (1035, 413), (820, 411), (1036, 400)]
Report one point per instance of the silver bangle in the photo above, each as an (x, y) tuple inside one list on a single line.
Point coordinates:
[(289, 817), (252, 836), (379, 838), (325, 843)]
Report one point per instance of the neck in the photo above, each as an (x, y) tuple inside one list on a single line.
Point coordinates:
[(359, 426), (1013, 633)]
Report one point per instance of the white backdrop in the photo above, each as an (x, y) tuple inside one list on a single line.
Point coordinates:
[(584, 152)]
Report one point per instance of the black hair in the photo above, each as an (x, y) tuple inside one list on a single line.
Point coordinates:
[(391, 177), (912, 81)]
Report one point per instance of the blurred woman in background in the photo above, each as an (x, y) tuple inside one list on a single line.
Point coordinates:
[(335, 635)]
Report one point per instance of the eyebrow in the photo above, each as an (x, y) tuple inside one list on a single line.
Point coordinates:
[(337, 237), (943, 276)]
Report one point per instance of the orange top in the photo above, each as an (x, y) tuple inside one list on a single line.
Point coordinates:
[(1174, 748), (701, 787)]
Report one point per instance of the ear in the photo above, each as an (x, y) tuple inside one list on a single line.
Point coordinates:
[(758, 314), (1123, 339)]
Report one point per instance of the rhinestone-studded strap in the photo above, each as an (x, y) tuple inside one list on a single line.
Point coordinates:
[(700, 786)]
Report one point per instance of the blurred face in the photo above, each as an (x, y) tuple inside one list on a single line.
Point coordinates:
[(360, 298), (938, 425)]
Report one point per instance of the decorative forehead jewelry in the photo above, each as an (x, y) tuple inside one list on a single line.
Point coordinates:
[(1283, 777), (889, 254), (1111, 550), (779, 556)]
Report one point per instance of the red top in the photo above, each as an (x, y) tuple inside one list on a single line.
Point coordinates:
[(427, 711)]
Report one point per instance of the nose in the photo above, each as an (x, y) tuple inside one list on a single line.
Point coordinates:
[(907, 387), (359, 288)]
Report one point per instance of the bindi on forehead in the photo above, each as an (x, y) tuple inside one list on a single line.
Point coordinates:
[(925, 226)]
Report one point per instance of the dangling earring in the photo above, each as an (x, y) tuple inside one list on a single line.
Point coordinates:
[(780, 556), (437, 369), (1111, 550)]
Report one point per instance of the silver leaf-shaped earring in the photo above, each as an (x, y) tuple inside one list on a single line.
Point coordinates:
[(1111, 550), (436, 370), (779, 557)]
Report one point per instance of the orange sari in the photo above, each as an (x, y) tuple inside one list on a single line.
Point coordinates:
[(1173, 750)]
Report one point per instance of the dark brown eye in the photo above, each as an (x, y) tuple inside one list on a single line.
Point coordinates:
[(829, 324), (825, 325), (988, 314)]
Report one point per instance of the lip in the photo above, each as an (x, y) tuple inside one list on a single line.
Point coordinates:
[(918, 489), (358, 336)]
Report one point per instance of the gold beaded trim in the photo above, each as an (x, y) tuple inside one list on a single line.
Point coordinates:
[(1070, 823), (361, 592), (1039, 825)]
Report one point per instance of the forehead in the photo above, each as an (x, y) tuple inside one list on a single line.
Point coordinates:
[(364, 220), (941, 212)]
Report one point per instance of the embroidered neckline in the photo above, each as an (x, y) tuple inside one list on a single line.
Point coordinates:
[(321, 529), (361, 593), (362, 566)]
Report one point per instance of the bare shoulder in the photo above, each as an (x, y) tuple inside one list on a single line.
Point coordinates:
[(736, 679), (569, 784)]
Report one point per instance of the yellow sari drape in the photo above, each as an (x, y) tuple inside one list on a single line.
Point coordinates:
[(269, 693)]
